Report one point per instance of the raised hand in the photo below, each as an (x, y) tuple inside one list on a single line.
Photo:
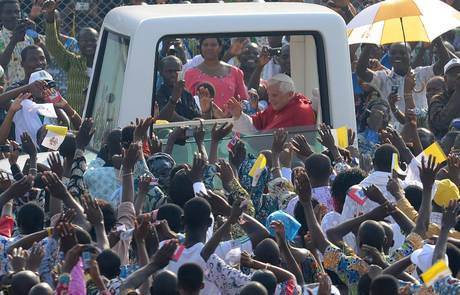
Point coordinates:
[(36, 9), (155, 144), (218, 204), (141, 228), (55, 164), (219, 133), (264, 57), (246, 260), (130, 156), (279, 138), (372, 255), (234, 107), (16, 105), (428, 171), (326, 138), (49, 8), (66, 232), (205, 99), (199, 133), (85, 134), (303, 186), (177, 91), (225, 172), (20, 187), (13, 155), (199, 163), (238, 207), (28, 146), (92, 210), (18, 259), (54, 185), (144, 184), (301, 147), (375, 194), (36, 255), (394, 187), (163, 255), (142, 126), (325, 284), (237, 155)]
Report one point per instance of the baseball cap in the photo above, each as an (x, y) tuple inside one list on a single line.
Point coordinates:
[(445, 192), (455, 124), (423, 258), (453, 63), (41, 75)]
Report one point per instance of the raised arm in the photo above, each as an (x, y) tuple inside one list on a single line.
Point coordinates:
[(443, 56), (428, 173), (279, 138), (303, 187), (63, 57), (159, 261), (449, 220), (217, 134), (362, 68), (95, 217), (129, 160), (5, 128)]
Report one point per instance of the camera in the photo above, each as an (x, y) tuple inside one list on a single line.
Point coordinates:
[(274, 51)]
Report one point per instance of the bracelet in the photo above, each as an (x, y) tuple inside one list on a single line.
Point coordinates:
[(128, 174)]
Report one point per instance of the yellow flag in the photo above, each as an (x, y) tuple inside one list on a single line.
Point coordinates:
[(259, 165), (434, 150), (161, 122), (341, 136), (60, 130), (395, 165), (437, 271)]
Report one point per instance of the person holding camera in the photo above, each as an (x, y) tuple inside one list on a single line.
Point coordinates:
[(445, 107), (15, 35)]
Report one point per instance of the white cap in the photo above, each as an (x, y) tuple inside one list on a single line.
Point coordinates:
[(41, 75), (455, 62), (423, 258)]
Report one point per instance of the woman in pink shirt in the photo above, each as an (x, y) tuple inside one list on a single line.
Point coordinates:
[(227, 80)]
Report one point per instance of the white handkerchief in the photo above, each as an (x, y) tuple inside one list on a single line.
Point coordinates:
[(44, 109)]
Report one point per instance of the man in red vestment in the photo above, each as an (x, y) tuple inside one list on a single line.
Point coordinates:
[(287, 109)]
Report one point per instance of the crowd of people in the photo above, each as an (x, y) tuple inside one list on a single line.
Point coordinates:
[(371, 218)]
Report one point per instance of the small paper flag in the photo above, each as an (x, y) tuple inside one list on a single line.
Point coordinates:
[(434, 150), (434, 273), (395, 165), (161, 122), (233, 142), (257, 169), (341, 136), (54, 137)]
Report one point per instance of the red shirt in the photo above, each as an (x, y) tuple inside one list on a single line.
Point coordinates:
[(298, 112)]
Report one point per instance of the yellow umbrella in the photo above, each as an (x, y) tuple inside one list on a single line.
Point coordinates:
[(394, 21)]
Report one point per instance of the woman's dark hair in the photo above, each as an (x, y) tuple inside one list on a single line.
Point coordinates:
[(219, 41), (414, 196), (172, 214), (342, 183)]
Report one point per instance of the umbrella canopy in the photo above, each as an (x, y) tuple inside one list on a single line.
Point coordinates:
[(394, 21)]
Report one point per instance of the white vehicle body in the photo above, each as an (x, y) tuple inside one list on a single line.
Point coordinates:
[(321, 59)]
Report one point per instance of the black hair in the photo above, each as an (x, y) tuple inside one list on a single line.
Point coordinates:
[(268, 251), (41, 289), (181, 189), (84, 30), (414, 194), (68, 147), (384, 285), (371, 233), (219, 41), (367, 112), (3, 2), (109, 213), (23, 281), (254, 288), (165, 59), (190, 277), (172, 214), (364, 284), (453, 253), (164, 283), (30, 218), (267, 279), (318, 167), (197, 213), (176, 169), (109, 264), (383, 157), (26, 50), (342, 183)]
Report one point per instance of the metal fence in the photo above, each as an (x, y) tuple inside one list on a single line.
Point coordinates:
[(77, 14)]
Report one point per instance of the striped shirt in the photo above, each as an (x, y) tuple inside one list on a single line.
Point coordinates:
[(74, 64)]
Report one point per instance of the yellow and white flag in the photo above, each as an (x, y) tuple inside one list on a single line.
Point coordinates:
[(434, 150), (54, 137), (439, 270), (257, 169), (395, 165), (161, 122), (341, 137)]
